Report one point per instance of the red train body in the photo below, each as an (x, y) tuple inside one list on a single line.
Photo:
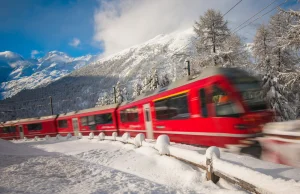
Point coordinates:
[(221, 106)]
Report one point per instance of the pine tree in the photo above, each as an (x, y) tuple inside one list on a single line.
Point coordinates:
[(262, 47), (216, 45), (164, 81), (212, 30)]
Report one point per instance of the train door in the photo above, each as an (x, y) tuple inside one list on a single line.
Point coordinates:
[(148, 121), (75, 126), (21, 132)]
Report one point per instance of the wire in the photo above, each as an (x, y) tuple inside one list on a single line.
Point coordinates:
[(232, 8), (261, 16), (255, 15)]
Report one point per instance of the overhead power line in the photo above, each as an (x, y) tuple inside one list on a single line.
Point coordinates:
[(261, 16), (232, 8)]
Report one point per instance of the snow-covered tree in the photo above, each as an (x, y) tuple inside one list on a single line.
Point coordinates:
[(137, 88), (119, 93), (292, 35), (212, 30), (262, 47), (164, 81), (105, 99), (216, 46), (274, 96), (281, 57)]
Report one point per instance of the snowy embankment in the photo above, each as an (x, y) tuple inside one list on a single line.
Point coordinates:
[(92, 164)]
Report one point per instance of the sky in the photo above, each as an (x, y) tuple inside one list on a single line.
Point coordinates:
[(79, 27)]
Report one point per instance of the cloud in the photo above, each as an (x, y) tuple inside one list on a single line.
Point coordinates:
[(75, 42), (34, 53), (120, 24)]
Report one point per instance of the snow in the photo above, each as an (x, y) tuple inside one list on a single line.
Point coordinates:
[(101, 136), (126, 137), (265, 182), (30, 73), (92, 166), (91, 135), (212, 152), (162, 144), (138, 140), (291, 128)]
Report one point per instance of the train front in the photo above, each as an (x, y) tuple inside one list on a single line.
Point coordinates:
[(248, 90)]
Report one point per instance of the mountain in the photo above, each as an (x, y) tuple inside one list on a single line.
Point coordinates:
[(81, 88), (17, 74)]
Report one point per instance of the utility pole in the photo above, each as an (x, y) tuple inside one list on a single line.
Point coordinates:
[(115, 94), (188, 67), (51, 105)]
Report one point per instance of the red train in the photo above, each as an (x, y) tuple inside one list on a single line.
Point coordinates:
[(221, 106)]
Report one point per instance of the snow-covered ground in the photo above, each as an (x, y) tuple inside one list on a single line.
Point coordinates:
[(92, 166)]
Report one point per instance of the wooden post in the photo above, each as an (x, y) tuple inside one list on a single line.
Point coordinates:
[(210, 154)]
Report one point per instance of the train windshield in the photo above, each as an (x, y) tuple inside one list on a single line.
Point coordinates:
[(251, 91)]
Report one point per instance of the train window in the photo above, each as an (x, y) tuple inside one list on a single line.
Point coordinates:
[(175, 107), (103, 118), (203, 102), (63, 124), (129, 115), (84, 121), (35, 126), (224, 106), (91, 120), (11, 129)]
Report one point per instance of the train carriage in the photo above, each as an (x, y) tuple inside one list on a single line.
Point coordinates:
[(40, 126), (96, 120), (9, 131), (222, 106)]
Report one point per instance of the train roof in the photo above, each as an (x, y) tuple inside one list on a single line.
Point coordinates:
[(99, 108), (37, 119), (19, 121), (207, 72)]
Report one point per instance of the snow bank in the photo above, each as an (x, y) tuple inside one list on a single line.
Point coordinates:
[(9, 148), (162, 144), (139, 138), (283, 128), (265, 182), (189, 155)]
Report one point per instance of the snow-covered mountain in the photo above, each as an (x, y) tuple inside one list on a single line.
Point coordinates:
[(17, 74), (81, 88)]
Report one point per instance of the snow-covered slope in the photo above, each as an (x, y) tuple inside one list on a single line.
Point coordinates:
[(17, 74), (82, 88)]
